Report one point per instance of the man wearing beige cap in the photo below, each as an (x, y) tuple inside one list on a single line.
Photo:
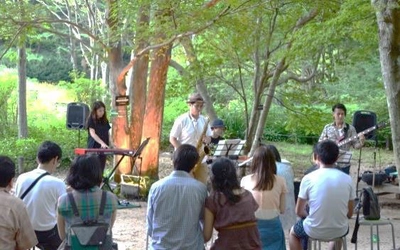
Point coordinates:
[(188, 128)]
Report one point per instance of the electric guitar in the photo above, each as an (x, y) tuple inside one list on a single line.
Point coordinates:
[(350, 139)]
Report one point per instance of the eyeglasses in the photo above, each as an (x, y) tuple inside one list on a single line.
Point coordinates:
[(198, 106)]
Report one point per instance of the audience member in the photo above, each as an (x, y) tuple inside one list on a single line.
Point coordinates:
[(330, 196), (269, 191), (175, 205), (16, 231), (84, 178), (41, 200), (230, 210)]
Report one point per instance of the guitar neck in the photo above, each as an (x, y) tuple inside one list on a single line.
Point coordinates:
[(352, 138)]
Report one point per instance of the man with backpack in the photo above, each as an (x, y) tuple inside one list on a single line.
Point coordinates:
[(40, 191), (330, 196)]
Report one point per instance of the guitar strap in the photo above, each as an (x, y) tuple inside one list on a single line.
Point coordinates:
[(346, 129)]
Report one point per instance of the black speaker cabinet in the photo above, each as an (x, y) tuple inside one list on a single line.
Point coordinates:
[(363, 120), (77, 114)]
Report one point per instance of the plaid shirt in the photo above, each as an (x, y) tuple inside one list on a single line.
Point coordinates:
[(16, 230), (88, 204), (335, 134)]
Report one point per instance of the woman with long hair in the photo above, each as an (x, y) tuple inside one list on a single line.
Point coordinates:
[(230, 210), (98, 129), (269, 190)]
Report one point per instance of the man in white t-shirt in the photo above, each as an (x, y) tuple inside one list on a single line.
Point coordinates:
[(41, 200), (188, 129), (330, 196)]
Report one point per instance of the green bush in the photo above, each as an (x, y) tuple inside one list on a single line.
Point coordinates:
[(85, 90)]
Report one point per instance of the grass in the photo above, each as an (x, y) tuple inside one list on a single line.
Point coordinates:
[(300, 156)]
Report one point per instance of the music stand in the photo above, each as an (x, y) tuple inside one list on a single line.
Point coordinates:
[(138, 153), (106, 179), (229, 148), (344, 157)]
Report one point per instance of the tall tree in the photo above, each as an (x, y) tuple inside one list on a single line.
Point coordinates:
[(22, 114), (388, 18), (120, 130)]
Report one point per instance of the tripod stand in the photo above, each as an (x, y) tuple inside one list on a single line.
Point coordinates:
[(359, 166), (134, 156)]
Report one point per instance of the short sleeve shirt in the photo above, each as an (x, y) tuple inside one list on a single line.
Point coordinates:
[(227, 214), (188, 130), (16, 231), (102, 131)]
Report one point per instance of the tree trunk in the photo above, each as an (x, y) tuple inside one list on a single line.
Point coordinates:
[(138, 85), (118, 88), (22, 114), (388, 18), (154, 110), (267, 106)]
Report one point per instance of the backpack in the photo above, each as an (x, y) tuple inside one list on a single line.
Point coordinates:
[(370, 204), (88, 234)]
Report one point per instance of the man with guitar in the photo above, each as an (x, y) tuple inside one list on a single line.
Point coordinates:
[(342, 133)]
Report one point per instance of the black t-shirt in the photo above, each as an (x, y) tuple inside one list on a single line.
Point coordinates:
[(101, 130), (214, 141)]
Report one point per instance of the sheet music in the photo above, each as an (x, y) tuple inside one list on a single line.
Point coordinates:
[(344, 157), (229, 147)]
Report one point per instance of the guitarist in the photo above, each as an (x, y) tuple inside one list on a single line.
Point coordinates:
[(339, 131)]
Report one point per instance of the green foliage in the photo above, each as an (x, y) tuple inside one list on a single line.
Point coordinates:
[(85, 90), (49, 69), (232, 113), (8, 84), (46, 106)]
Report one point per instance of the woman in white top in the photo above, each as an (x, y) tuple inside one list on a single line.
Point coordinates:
[(268, 190)]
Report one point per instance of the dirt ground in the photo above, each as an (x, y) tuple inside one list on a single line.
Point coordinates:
[(130, 227)]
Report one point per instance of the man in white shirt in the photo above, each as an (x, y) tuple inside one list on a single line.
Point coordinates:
[(188, 129), (41, 200), (330, 196)]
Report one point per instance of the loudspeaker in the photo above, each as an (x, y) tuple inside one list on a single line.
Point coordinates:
[(77, 114), (363, 120)]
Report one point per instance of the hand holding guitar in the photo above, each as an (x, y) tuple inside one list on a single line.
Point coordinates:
[(361, 135)]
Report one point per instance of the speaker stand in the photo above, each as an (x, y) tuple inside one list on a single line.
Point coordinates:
[(79, 138), (358, 172)]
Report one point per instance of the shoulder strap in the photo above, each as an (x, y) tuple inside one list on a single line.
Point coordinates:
[(346, 129), (75, 208), (73, 204), (33, 184)]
